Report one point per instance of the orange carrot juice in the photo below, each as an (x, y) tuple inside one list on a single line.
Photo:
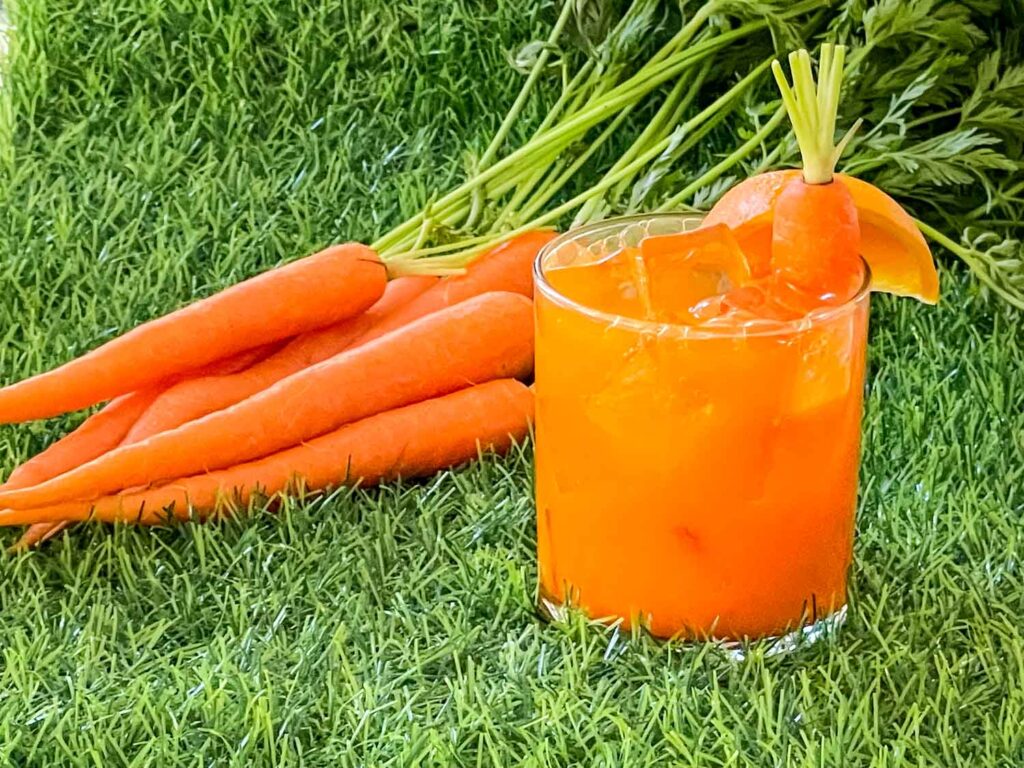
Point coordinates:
[(698, 427)]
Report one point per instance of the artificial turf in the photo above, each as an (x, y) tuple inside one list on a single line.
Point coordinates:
[(155, 153)]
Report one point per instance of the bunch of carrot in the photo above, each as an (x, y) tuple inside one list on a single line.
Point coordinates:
[(325, 371), (321, 372)]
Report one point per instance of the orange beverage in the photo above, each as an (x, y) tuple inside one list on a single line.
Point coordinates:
[(698, 435)]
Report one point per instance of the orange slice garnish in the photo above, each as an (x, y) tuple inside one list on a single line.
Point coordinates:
[(900, 260)]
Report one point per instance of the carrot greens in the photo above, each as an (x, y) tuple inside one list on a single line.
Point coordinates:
[(942, 124)]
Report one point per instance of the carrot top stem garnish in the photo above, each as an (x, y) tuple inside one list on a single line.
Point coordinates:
[(813, 109), (816, 224), (816, 237)]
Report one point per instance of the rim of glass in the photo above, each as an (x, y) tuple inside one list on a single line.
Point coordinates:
[(751, 328)]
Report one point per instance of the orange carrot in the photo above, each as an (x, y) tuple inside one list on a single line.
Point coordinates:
[(101, 432), (196, 397), (415, 440), (38, 533), (98, 434), (232, 364), (488, 337), (313, 292), (506, 267), (105, 429), (815, 229), (816, 239)]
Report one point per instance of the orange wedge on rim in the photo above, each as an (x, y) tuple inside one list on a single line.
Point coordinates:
[(900, 260)]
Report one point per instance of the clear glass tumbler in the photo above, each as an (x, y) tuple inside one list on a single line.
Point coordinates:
[(701, 481)]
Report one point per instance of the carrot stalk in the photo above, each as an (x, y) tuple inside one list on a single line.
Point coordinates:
[(415, 440), (313, 292), (488, 337), (190, 399)]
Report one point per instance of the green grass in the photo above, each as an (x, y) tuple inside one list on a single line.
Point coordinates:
[(161, 152)]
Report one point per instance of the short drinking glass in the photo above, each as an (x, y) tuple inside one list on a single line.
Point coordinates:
[(698, 479)]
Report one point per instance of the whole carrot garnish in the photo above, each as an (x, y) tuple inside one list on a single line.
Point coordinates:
[(407, 442), (810, 226), (488, 337), (196, 397), (816, 232), (313, 292)]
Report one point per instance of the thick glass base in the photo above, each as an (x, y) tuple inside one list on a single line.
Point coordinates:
[(823, 629)]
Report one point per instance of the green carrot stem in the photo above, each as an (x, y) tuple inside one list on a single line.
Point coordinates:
[(549, 190), (414, 267), (556, 178), (628, 92), (522, 194), (664, 123), (769, 160), (524, 92), (969, 257), (588, 98), (813, 107), (687, 31), (654, 131), (517, 107), (474, 246)]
